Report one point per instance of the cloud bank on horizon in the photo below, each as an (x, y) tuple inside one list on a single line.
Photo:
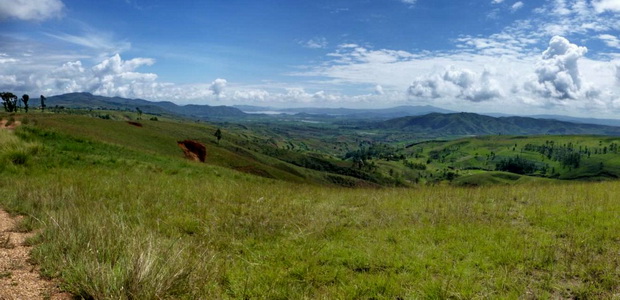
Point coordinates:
[(523, 57)]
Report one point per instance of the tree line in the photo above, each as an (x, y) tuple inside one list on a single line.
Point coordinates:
[(12, 103)]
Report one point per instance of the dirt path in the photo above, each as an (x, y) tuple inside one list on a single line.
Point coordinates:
[(19, 278)]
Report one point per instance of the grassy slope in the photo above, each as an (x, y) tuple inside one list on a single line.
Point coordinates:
[(470, 154), (238, 150), (119, 223)]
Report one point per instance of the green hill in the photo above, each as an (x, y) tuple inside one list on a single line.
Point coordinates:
[(119, 214), (464, 124)]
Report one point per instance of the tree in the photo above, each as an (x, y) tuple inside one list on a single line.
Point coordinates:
[(218, 135), (25, 99), (43, 103), (9, 101), (139, 113)]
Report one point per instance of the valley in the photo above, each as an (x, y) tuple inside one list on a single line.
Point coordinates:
[(287, 208)]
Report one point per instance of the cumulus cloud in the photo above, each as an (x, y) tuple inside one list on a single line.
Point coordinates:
[(497, 1), (254, 95), (113, 76), (606, 5), (379, 90), (217, 86), (460, 83), (30, 10), (558, 72)]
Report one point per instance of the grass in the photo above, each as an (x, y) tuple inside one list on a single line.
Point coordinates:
[(118, 223)]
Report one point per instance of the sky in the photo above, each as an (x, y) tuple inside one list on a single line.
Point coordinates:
[(503, 56)]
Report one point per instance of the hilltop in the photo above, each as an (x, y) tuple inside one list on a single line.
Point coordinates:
[(468, 124)]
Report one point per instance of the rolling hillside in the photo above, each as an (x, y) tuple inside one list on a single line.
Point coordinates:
[(468, 124), (119, 214)]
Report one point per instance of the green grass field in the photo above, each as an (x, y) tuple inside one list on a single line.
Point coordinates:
[(123, 216)]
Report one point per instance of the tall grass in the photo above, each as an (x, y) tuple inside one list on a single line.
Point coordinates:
[(13, 151), (118, 225)]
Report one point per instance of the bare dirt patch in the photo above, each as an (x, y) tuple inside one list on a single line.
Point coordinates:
[(19, 278), (193, 150), (11, 126)]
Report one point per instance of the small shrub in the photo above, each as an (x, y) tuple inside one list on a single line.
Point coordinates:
[(17, 157)]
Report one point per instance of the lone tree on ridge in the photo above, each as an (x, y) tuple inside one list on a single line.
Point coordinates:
[(218, 135), (43, 103), (25, 99)]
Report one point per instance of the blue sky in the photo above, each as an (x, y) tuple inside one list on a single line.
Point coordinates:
[(526, 57)]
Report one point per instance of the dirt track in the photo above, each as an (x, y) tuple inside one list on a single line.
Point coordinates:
[(19, 278)]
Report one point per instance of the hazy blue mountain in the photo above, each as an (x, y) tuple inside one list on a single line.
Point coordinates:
[(379, 113)]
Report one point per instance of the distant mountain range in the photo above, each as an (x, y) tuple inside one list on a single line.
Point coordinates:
[(405, 117), (352, 113), (464, 124), (87, 100)]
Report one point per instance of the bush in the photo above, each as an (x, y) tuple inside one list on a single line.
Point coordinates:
[(517, 165), (17, 157)]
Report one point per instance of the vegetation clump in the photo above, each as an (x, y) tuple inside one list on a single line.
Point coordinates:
[(517, 165)]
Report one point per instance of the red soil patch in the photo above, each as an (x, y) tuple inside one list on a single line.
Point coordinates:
[(11, 126), (134, 123), (193, 150)]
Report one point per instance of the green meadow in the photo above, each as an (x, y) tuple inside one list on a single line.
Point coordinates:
[(120, 214)]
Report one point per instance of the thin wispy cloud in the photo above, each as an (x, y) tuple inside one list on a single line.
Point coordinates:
[(316, 43), (101, 42)]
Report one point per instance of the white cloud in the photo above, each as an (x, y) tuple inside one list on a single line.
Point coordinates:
[(518, 5), (379, 90), (217, 86), (410, 2), (606, 5), (558, 72), (113, 76), (497, 1), (460, 83), (610, 40), (103, 43), (30, 10), (5, 59), (254, 95), (316, 43), (9, 80)]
